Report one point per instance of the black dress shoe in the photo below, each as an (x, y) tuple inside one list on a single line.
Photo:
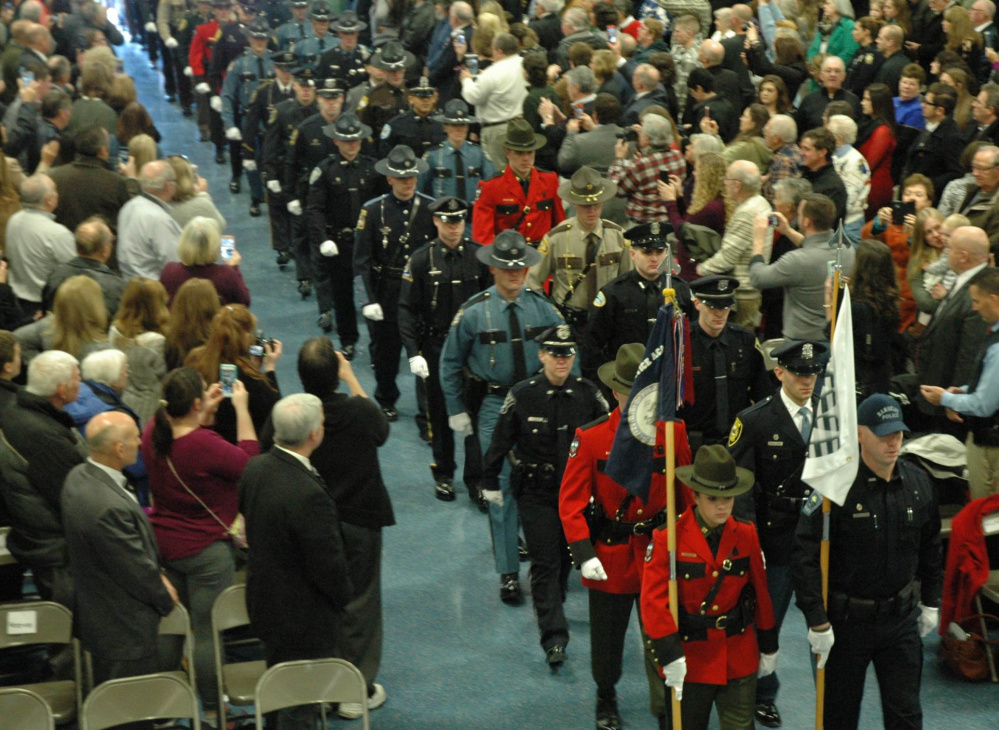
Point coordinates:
[(555, 656), (510, 589), (445, 490), (305, 288), (348, 352), (325, 321), (219, 157), (608, 718), (234, 187), (283, 258), (522, 550), (255, 209), (479, 500), (767, 714), (390, 413)]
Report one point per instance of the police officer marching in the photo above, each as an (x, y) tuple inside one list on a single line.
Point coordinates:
[(275, 12), (346, 61), (489, 348), (770, 439), (584, 252), (338, 187), (263, 101), (726, 634), (727, 362), (625, 309), (229, 45), (438, 279), (885, 576), (456, 165), (297, 29), (387, 100), (417, 127), (309, 50), (390, 228), (200, 55), (170, 21), (183, 33)]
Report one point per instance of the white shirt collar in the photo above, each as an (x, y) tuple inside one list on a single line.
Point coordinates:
[(983, 26), (116, 476), (303, 459), (962, 278), (792, 407)]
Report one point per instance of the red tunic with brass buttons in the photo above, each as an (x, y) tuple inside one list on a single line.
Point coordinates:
[(501, 203), (720, 657), (584, 477)]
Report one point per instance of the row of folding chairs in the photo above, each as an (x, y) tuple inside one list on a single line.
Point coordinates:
[(168, 694)]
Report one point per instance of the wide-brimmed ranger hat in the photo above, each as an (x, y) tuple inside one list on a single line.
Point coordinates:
[(520, 136), (455, 111), (714, 473), (392, 57), (401, 162), (347, 128), (619, 374), (509, 250), (348, 23), (586, 187)]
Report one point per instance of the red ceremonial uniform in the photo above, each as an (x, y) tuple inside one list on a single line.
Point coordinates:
[(584, 477), (501, 205), (719, 657), (200, 54)]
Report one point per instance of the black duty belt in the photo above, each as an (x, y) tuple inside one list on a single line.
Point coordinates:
[(617, 532), (694, 627), (791, 505), (497, 389), (387, 272), (843, 607)]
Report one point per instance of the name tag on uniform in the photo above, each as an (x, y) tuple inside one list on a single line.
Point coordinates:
[(775, 443), (536, 419), (861, 514)]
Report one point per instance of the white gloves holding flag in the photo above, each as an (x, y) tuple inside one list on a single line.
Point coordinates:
[(373, 312), (328, 248), (234, 134), (295, 207), (768, 665), (675, 671), (928, 619), (821, 643), (215, 103), (171, 43), (461, 424), (418, 367), (593, 569), (274, 186)]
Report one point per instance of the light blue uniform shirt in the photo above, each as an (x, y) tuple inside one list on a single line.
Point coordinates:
[(236, 90), (985, 400)]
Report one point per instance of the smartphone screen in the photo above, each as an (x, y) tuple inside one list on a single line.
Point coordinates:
[(27, 77), (611, 34), (227, 376), (578, 110), (472, 63), (228, 246)]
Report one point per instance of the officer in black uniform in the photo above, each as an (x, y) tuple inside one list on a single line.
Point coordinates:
[(263, 102), (201, 13), (418, 127), (537, 422), (390, 228), (864, 67), (770, 439), (230, 43), (625, 309), (275, 12), (281, 124), (346, 62), (438, 279), (729, 373), (338, 187), (885, 576), (386, 101)]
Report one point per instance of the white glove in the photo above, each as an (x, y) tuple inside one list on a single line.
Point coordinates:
[(593, 569), (768, 665), (234, 134), (418, 367), (151, 26), (171, 43), (675, 671), (821, 643), (203, 87), (328, 248), (216, 103), (494, 496), (927, 621), (274, 186), (373, 312), (461, 424), (189, 72), (250, 166), (294, 207)]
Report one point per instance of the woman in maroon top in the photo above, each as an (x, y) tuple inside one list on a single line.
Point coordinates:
[(876, 142), (199, 249), (193, 478)]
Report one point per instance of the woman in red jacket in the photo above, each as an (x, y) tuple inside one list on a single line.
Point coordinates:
[(876, 142)]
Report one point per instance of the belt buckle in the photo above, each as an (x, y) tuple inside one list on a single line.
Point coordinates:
[(721, 623), (727, 565), (638, 525)]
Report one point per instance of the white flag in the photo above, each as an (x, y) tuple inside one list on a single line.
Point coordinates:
[(833, 449)]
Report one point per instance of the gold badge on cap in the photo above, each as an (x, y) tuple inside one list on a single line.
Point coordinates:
[(807, 351), (562, 331), (655, 228), (723, 285)]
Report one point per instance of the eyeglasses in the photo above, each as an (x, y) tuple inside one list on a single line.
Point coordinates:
[(924, 100), (983, 168)]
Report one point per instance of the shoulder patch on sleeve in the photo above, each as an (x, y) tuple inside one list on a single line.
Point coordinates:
[(648, 552), (735, 433), (457, 317), (510, 402), (543, 246), (293, 139), (273, 117), (360, 220), (574, 448), (600, 301), (813, 503), (386, 131), (316, 174)]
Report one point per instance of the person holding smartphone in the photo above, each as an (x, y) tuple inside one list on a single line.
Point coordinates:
[(200, 252)]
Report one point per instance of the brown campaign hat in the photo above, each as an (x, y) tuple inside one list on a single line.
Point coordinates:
[(586, 187), (714, 472), (520, 136), (619, 373)]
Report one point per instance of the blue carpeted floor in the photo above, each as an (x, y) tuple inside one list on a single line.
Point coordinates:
[(455, 657)]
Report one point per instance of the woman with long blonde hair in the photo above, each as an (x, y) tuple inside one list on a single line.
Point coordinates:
[(962, 38), (958, 78), (709, 205), (142, 316), (191, 314), (77, 324)]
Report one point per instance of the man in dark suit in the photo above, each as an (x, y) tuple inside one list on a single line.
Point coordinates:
[(648, 92), (985, 110), (728, 83), (120, 592), (443, 76), (946, 351), (297, 582), (934, 153), (87, 186), (547, 24), (706, 101)]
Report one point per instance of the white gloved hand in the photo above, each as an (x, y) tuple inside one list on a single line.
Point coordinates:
[(461, 424), (768, 665), (151, 26), (274, 186), (373, 312), (294, 207), (493, 496), (821, 643), (328, 248), (250, 165), (418, 367), (203, 88), (593, 569), (189, 72), (927, 621), (675, 671), (171, 43), (216, 103), (234, 134)]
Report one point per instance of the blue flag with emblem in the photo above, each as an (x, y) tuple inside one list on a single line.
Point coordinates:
[(659, 389)]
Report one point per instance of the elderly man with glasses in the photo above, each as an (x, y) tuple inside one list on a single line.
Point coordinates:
[(832, 77), (981, 203)]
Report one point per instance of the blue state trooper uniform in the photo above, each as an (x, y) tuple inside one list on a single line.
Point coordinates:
[(291, 34), (441, 180), (311, 49), (480, 341), (245, 75)]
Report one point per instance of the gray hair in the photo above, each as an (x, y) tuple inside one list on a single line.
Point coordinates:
[(647, 75), (843, 128), (49, 370), (989, 7), (991, 96), (31, 10), (657, 129), (155, 175), (582, 78), (844, 8), (199, 242), (295, 417), (747, 174), (724, 15), (552, 6), (704, 143), (463, 11), (35, 189), (576, 18), (689, 21), (991, 149), (791, 190), (784, 127), (104, 366)]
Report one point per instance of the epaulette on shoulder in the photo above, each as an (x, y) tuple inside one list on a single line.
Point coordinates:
[(741, 520), (597, 422), (482, 296), (561, 227), (497, 174), (741, 330), (611, 225), (757, 406)]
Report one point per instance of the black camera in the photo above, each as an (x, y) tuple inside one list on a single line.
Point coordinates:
[(628, 135), (258, 348)]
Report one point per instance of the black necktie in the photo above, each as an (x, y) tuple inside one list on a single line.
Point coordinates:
[(592, 244), (260, 69), (517, 345), (301, 31), (322, 43), (459, 175), (721, 388), (526, 186)]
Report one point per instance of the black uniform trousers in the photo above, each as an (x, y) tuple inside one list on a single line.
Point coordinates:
[(236, 147), (215, 129), (386, 344), (333, 277), (283, 233), (441, 435), (550, 563), (300, 246), (173, 75), (892, 642)]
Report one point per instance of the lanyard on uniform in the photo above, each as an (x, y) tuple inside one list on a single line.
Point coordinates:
[(409, 226)]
